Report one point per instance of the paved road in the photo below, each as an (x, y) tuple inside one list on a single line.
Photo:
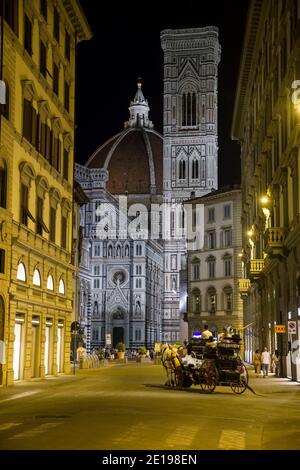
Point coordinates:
[(123, 407)]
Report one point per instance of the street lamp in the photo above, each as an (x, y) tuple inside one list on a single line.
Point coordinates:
[(266, 208)]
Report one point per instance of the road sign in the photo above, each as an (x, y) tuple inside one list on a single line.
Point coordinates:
[(108, 339), (292, 328), (279, 328)]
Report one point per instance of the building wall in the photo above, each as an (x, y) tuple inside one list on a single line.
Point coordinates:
[(213, 295), (47, 175), (191, 58), (266, 122)]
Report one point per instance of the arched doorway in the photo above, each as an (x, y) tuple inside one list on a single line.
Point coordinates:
[(118, 326), (118, 335), (2, 317)]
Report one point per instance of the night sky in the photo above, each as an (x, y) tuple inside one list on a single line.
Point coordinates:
[(126, 44)]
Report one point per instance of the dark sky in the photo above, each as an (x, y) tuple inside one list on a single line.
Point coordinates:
[(126, 44)]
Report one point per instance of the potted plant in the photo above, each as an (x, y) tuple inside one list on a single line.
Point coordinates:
[(121, 350), (142, 351)]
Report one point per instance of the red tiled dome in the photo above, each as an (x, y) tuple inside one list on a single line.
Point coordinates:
[(134, 160)]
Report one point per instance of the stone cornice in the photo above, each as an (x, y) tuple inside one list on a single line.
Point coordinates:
[(191, 39), (78, 19), (247, 68)]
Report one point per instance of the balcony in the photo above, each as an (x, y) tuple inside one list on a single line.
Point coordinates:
[(274, 241), (244, 285), (255, 268)]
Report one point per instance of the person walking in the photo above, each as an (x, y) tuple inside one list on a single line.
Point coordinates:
[(257, 362), (265, 361), (276, 363)]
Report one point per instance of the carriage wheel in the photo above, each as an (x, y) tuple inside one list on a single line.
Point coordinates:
[(240, 387), (208, 380)]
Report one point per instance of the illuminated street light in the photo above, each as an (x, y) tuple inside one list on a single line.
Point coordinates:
[(265, 200)]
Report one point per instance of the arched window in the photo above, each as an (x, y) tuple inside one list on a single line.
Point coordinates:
[(3, 183), (61, 287), (196, 270), (21, 272), (196, 301), (211, 265), (228, 304), (203, 168), (193, 117), (36, 278), (50, 283), (195, 169), (182, 170), (126, 250), (110, 251), (189, 109), (212, 300)]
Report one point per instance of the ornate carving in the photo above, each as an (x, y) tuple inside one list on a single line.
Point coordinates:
[(3, 230)]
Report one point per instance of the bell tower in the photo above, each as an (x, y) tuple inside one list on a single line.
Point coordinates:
[(191, 59)]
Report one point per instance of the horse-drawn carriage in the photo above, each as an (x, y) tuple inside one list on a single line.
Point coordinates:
[(209, 365)]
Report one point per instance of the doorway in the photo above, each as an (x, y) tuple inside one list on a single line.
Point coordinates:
[(118, 335), (35, 347), (59, 352), (47, 350), (17, 351)]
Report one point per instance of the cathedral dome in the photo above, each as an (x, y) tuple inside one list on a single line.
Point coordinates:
[(134, 157)]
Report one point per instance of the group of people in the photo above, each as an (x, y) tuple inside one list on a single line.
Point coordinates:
[(207, 334), (265, 361)]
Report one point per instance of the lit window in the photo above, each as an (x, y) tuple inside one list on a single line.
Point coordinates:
[(61, 288), (36, 278), (50, 283), (21, 272)]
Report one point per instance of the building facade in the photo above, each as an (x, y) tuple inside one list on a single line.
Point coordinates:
[(191, 58), (266, 122), (36, 185), (120, 278), (214, 270)]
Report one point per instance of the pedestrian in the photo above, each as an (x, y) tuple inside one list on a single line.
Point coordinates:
[(257, 362), (276, 363), (265, 361), (224, 334), (206, 334)]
